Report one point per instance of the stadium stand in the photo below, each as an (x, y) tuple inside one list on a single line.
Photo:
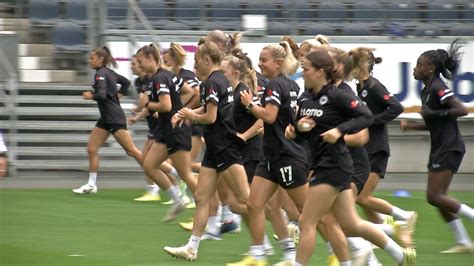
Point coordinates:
[(76, 11)]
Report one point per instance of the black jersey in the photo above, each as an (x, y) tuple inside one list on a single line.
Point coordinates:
[(384, 107), (243, 120), (106, 95), (281, 92), (358, 154), (165, 82), (262, 83), (444, 131), (218, 91), (141, 84), (331, 108), (144, 85), (189, 77)]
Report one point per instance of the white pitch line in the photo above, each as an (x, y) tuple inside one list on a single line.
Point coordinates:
[(76, 255)]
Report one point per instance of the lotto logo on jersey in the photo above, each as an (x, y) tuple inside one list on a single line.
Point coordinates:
[(311, 112), (354, 104), (99, 78)]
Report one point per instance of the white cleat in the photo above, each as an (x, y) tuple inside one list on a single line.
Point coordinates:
[(182, 252), (85, 189), (175, 209)]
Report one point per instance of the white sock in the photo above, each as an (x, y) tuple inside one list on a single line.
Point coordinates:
[(288, 248), (227, 215), (92, 179), (459, 231), (330, 250), (237, 219), (174, 193), (386, 228), (266, 242), (345, 263), (174, 173), (212, 225), (193, 243), (257, 252), (153, 189), (400, 214), (357, 244), (394, 250), (372, 260), (466, 211)]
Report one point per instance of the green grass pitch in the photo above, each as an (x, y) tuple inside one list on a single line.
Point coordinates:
[(56, 227)]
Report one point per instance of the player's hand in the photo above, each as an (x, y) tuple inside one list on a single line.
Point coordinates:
[(332, 135), (306, 124)]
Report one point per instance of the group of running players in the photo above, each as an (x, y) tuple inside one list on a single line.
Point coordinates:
[(300, 156)]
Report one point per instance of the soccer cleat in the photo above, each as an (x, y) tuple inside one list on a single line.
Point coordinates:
[(409, 257), (388, 219), (411, 222), (294, 231), (85, 189), (148, 197), (188, 226), (183, 252), (332, 260), (403, 235), (268, 251), (249, 261), (191, 205), (459, 249), (174, 210), (169, 202), (210, 236), (230, 227)]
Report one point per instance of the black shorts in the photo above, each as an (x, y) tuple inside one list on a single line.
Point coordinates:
[(450, 160), (285, 171), (331, 176), (250, 167), (179, 139), (378, 163), (112, 128), (361, 167), (197, 130), (223, 159)]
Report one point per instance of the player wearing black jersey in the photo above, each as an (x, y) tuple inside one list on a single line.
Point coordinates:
[(222, 157), (141, 86), (385, 107), (170, 142), (174, 58), (152, 189), (440, 110), (285, 162), (112, 117), (324, 117)]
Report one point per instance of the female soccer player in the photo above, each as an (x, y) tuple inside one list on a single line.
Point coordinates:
[(222, 157), (170, 142), (440, 110), (112, 118), (324, 118), (174, 58), (285, 162), (385, 107)]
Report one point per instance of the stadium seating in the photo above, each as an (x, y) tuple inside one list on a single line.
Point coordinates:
[(187, 15), (44, 12), (224, 15), (68, 36), (76, 11), (156, 11)]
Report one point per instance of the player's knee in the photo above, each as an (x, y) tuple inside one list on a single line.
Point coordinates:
[(433, 198)]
